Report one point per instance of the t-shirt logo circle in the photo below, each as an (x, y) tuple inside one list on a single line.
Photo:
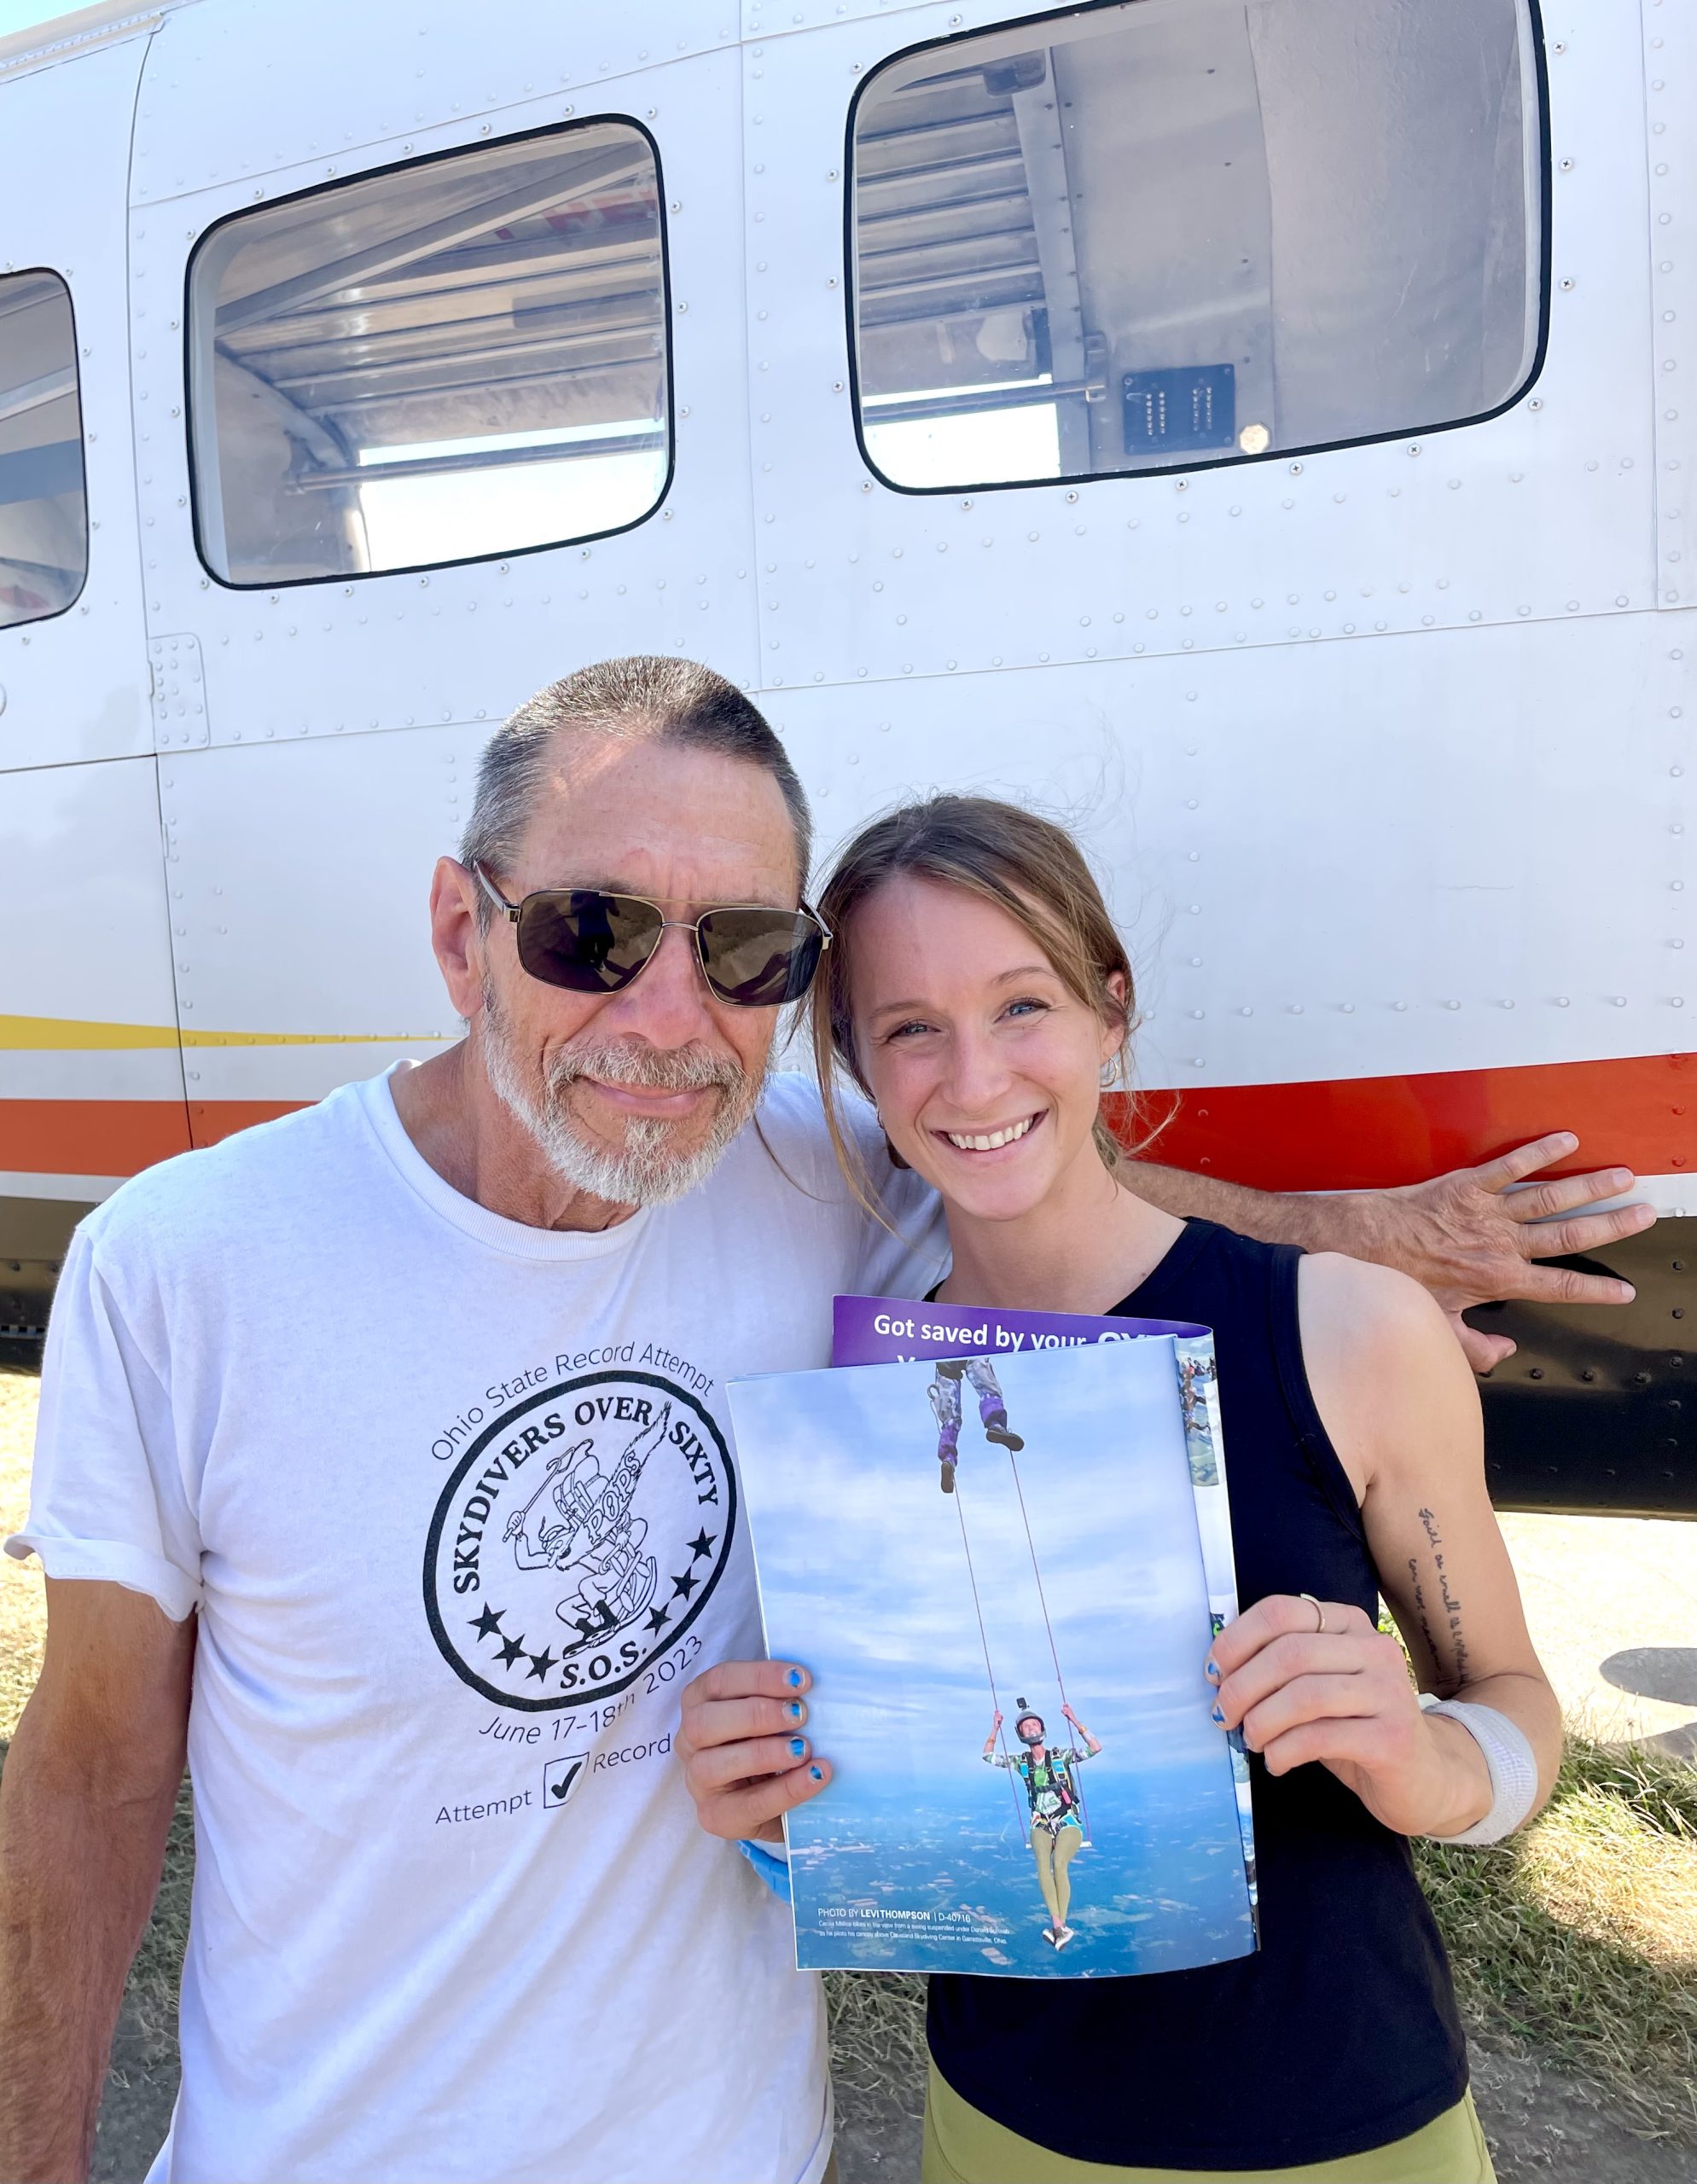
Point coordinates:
[(580, 1536)]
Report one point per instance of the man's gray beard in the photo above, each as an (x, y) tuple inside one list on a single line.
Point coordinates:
[(645, 1171)]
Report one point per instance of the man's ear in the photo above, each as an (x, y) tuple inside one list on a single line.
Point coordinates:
[(455, 937)]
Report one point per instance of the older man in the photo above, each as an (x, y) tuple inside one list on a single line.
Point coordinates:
[(383, 1459)]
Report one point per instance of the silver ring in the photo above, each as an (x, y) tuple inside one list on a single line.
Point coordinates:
[(1317, 1609)]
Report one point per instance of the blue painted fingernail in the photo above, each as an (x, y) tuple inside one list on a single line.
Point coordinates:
[(1212, 1671), (794, 1679), (817, 1773), (1217, 1715), (794, 1709), (798, 1746)]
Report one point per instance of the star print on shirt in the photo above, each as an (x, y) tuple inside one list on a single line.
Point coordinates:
[(488, 1624), (511, 1650), (659, 1618), (541, 1662), (682, 1587), (701, 1544)]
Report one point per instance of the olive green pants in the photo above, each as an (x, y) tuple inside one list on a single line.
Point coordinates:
[(961, 2147), (1054, 1854)]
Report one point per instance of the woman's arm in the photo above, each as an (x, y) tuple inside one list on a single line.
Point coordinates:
[(990, 1741), (1403, 1413), (1093, 1743)]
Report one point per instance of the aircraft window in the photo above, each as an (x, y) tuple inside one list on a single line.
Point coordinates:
[(462, 357), (44, 511), (1182, 232)]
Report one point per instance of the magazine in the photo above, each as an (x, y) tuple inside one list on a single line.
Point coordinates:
[(989, 1551)]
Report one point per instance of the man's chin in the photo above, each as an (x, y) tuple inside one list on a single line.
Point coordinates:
[(645, 1162)]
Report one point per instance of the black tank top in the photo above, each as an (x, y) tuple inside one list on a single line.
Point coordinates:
[(1340, 2033)]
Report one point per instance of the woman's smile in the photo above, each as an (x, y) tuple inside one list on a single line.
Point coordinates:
[(997, 1139)]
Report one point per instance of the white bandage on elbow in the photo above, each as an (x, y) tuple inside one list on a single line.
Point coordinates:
[(1509, 1756)]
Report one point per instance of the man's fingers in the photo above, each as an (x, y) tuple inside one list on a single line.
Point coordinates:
[(1562, 1194), (1484, 1352), (1524, 1160), (723, 1764), (1562, 1285), (740, 1813), (1585, 1232)]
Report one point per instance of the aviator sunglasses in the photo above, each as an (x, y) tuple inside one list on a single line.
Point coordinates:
[(590, 942)]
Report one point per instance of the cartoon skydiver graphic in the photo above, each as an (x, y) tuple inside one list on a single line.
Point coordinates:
[(586, 1532), (1057, 1832), (946, 1403)]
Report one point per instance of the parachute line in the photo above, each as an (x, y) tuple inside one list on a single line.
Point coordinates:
[(1049, 1628), (990, 1673)]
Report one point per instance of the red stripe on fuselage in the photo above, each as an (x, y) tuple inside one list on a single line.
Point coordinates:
[(1350, 1133)]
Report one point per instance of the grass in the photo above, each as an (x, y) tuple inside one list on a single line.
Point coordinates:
[(1576, 1941)]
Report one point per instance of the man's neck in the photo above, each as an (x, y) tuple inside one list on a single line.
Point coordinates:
[(448, 1109)]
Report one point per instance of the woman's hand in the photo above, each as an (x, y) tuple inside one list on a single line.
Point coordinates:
[(746, 1761), (1342, 1695)]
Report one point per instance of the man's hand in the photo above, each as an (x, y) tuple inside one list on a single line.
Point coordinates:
[(1471, 1238), (745, 1759)]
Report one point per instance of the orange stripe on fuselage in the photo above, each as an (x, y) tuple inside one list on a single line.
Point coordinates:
[(1349, 1134), (1371, 1132)]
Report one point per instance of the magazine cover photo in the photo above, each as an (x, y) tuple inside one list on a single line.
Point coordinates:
[(991, 1567)]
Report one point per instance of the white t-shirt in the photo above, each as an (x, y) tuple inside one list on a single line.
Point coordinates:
[(454, 1499)]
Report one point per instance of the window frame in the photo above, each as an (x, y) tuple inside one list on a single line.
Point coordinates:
[(1236, 458), (54, 614), (190, 331)]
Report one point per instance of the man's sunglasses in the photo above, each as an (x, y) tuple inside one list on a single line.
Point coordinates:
[(590, 942)]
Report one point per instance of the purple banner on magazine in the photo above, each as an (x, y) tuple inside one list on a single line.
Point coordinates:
[(886, 1330)]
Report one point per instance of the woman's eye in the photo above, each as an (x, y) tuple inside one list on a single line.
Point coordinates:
[(906, 1031), (1029, 1007)]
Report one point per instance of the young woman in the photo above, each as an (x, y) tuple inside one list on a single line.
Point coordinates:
[(977, 993), (1045, 1775)]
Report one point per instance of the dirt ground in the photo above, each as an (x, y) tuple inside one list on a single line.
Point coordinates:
[(1613, 1608)]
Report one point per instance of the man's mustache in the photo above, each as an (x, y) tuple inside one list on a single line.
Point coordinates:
[(651, 1069)]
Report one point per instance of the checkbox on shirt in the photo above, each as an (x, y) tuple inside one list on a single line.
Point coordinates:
[(560, 1777)]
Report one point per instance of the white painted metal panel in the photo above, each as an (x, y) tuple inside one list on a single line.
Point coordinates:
[(76, 685), (1544, 512), (80, 868), (466, 643), (1331, 865), (1670, 105), (300, 881), (242, 89)]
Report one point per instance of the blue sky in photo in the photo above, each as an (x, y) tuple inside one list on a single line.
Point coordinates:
[(863, 1574)]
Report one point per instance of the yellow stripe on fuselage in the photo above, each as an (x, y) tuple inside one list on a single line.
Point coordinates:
[(76, 1035)]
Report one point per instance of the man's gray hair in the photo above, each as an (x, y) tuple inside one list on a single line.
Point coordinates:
[(644, 698)]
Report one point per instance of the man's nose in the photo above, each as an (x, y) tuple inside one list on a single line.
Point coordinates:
[(667, 1003)]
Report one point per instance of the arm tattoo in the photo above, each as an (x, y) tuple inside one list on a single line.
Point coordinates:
[(1448, 1606)]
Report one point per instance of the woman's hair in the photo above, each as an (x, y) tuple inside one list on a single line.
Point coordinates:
[(1025, 865)]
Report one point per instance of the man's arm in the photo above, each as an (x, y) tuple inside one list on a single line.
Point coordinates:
[(1469, 1237), (90, 1786)]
